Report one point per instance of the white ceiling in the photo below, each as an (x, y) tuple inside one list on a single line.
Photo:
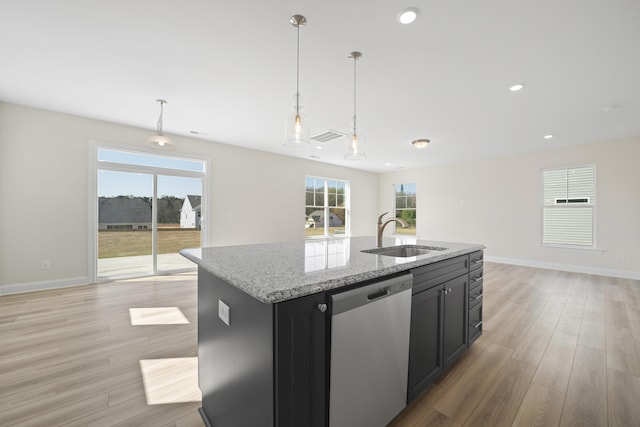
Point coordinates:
[(227, 70)]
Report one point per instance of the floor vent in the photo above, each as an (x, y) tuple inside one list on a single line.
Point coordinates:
[(327, 136)]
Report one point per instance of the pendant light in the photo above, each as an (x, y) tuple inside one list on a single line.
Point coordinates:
[(297, 132), (355, 145), (160, 139)]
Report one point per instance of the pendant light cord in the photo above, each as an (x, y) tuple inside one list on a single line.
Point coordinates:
[(298, 74), (355, 126), (160, 119)]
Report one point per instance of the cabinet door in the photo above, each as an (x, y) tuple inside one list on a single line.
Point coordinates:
[(455, 318), (425, 349), (301, 362)]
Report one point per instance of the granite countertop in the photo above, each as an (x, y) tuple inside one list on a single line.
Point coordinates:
[(278, 272)]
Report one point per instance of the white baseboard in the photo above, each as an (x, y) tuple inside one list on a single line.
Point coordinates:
[(19, 288), (624, 274)]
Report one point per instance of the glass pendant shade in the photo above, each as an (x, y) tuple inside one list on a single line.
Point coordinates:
[(297, 131), (354, 147)]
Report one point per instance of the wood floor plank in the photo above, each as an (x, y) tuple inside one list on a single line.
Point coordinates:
[(586, 396), (534, 343), (554, 369), (541, 407), (461, 398), (623, 351), (623, 391), (616, 314), (502, 401), (593, 334)]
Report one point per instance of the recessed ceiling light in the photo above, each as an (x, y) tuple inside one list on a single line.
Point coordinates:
[(387, 164), (420, 143), (517, 87), (408, 15), (548, 136)]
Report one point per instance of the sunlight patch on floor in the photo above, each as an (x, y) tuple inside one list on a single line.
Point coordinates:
[(157, 316), (170, 380)]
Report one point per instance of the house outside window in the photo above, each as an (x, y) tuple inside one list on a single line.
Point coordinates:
[(405, 207), (568, 207), (326, 207)]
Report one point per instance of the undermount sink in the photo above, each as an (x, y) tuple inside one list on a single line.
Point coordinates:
[(404, 250)]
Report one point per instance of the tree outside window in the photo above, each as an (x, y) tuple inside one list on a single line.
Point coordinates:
[(405, 207), (326, 207)]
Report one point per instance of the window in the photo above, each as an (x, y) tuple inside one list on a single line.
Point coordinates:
[(326, 207), (568, 206), (405, 207)]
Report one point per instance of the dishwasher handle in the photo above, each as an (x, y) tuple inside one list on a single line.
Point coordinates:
[(368, 294), (378, 294)]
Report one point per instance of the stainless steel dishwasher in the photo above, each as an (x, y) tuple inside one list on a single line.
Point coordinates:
[(370, 353)]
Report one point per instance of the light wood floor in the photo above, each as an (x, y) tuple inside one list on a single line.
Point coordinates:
[(72, 357), (557, 349)]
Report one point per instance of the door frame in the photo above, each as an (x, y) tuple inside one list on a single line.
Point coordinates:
[(92, 222)]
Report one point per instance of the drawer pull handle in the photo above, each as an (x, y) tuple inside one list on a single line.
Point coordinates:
[(477, 297), (478, 279), (477, 325), (478, 261), (322, 307)]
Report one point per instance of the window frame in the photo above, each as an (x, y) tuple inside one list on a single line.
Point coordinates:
[(395, 208), (327, 209), (591, 203)]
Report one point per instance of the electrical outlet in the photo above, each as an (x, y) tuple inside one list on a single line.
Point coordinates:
[(620, 258), (45, 264), (223, 311)]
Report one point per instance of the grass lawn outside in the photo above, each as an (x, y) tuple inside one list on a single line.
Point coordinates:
[(171, 239)]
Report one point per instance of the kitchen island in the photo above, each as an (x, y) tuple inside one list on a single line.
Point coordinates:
[(264, 321)]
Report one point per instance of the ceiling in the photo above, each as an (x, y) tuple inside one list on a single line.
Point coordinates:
[(228, 68)]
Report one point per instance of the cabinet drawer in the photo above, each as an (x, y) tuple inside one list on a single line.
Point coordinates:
[(435, 274), (475, 297), (475, 278), (475, 323), (476, 259)]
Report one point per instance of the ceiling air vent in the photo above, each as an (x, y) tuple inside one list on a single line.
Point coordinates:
[(327, 136)]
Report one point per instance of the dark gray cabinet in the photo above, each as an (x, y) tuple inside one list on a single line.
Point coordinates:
[(301, 361), (476, 277), (455, 319), (425, 353), (439, 319)]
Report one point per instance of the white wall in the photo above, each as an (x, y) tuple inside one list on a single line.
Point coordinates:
[(44, 171), (496, 202)]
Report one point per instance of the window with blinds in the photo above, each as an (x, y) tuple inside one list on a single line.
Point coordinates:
[(568, 206)]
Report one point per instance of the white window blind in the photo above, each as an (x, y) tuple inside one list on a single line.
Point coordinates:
[(568, 206)]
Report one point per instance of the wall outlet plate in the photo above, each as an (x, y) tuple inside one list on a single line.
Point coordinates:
[(223, 311)]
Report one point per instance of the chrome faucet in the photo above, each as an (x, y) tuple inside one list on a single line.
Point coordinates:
[(382, 225)]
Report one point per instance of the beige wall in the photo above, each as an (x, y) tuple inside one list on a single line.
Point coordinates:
[(44, 191), (496, 202)]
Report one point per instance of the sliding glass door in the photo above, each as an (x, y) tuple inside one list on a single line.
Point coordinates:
[(149, 208), (125, 223), (179, 220)]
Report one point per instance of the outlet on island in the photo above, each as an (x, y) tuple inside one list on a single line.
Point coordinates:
[(223, 311)]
